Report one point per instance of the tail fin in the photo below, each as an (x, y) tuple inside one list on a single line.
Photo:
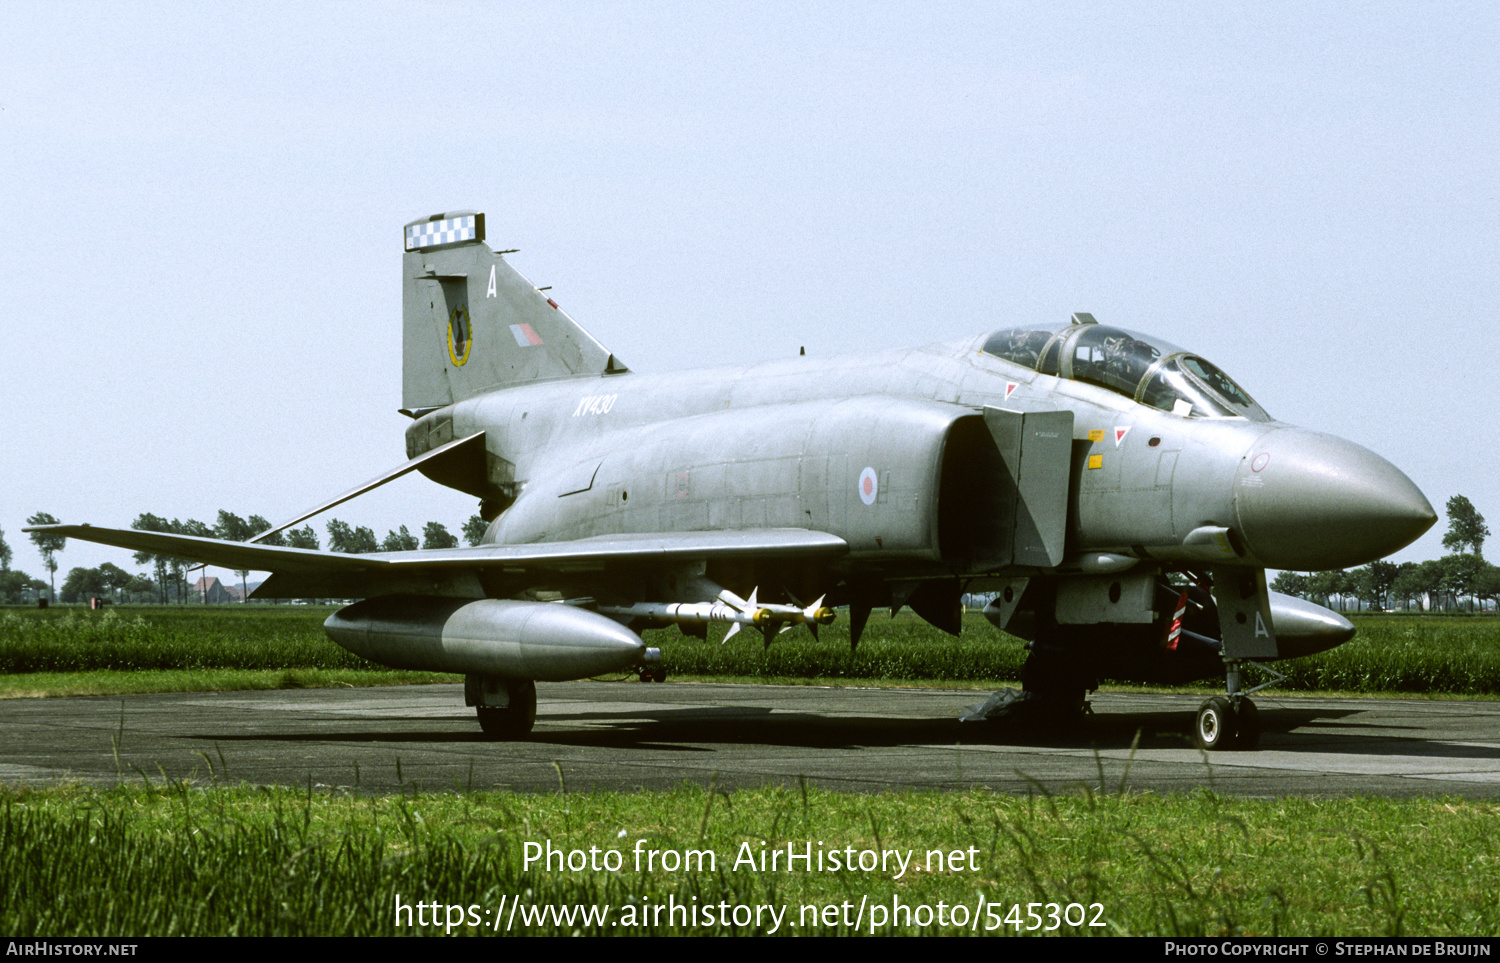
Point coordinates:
[(473, 324)]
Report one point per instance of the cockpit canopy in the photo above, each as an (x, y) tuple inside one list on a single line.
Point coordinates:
[(1148, 370)]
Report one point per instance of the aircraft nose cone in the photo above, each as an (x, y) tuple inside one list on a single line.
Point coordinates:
[(1309, 501)]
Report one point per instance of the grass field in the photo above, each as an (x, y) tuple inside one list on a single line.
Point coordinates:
[(75, 651), (174, 860), (163, 858)]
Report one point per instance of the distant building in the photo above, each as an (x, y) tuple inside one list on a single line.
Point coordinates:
[(209, 589)]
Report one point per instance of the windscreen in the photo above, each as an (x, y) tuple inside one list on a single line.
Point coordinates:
[(1149, 370)]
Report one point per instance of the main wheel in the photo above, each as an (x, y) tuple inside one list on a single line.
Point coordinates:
[(1247, 726), (1057, 691), (512, 721), (1214, 727)]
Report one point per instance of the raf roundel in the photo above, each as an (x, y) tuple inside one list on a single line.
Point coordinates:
[(869, 486)]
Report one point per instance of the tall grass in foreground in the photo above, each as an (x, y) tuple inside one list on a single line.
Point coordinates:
[(900, 649), (169, 637), (1457, 655), (169, 859), (1453, 655)]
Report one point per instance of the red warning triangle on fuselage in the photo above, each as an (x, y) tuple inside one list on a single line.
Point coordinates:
[(1010, 386), (1120, 434)]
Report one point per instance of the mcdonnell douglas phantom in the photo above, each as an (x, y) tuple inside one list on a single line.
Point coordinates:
[(1120, 497)]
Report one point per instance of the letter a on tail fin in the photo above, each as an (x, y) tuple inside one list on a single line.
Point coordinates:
[(473, 324)]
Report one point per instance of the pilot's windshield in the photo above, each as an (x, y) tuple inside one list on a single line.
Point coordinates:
[(1171, 389), (1217, 380), (1149, 370)]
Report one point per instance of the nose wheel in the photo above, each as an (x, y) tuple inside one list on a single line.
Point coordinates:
[(1214, 724), (1231, 721), (1221, 725), (653, 673)]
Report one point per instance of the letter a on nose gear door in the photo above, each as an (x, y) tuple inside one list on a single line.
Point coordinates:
[(1244, 613)]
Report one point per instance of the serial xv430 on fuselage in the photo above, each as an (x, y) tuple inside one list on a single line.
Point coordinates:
[(1121, 497)]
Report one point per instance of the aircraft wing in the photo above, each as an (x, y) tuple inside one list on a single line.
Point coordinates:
[(213, 551), (304, 573)]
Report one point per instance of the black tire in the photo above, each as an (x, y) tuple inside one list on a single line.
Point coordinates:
[(1246, 726), (1214, 726), (515, 720), (645, 675), (1047, 679), (658, 673), (1057, 698)]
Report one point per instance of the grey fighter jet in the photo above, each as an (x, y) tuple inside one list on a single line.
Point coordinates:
[(1119, 496)]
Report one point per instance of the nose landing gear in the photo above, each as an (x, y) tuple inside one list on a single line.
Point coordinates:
[(1231, 721)]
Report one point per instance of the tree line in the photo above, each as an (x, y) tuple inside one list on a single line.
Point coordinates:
[(166, 580), (1462, 579), (1450, 582)]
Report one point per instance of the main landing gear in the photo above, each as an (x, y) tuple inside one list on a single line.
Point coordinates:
[(1053, 697), (506, 707), (1231, 721), (1056, 692)]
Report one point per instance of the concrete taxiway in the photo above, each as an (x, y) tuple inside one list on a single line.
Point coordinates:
[(629, 735)]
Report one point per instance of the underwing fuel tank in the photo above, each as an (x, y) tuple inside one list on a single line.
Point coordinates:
[(542, 641), (1304, 628)]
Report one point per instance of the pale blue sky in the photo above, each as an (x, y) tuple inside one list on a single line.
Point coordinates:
[(200, 307)]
